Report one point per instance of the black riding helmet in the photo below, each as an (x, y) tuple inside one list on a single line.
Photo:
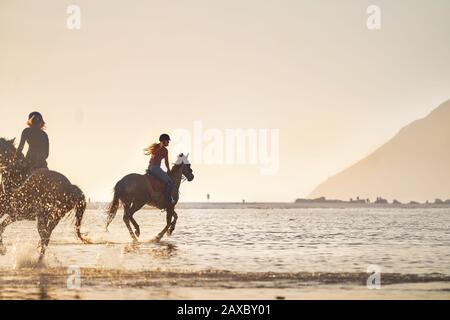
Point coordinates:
[(35, 117), (164, 137)]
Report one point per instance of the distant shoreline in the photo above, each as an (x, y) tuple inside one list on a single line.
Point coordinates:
[(289, 205)]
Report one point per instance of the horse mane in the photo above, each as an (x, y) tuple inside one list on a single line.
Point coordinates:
[(8, 143), (174, 167), (13, 170)]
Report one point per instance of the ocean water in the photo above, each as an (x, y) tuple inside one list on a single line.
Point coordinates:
[(240, 246)]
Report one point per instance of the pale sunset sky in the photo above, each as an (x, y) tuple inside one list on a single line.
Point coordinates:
[(335, 90)]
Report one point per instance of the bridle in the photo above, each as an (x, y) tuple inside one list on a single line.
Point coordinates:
[(182, 178)]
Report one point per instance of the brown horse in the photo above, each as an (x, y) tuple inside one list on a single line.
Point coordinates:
[(45, 196), (134, 191)]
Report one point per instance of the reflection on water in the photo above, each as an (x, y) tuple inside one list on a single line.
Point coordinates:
[(163, 250), (43, 286), (158, 250)]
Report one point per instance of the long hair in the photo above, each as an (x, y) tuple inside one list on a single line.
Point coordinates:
[(152, 149)]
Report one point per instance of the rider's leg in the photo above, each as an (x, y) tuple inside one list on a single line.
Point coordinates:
[(35, 162), (165, 179)]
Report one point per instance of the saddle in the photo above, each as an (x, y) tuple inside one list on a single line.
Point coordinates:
[(155, 184), (156, 191)]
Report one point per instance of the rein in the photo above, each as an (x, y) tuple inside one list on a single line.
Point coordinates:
[(182, 178)]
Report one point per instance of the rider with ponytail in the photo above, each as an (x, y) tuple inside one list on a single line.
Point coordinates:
[(158, 152)]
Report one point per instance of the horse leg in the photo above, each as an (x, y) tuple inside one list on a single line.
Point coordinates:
[(173, 224), (126, 220), (169, 215), (137, 205), (45, 229), (6, 222), (137, 231)]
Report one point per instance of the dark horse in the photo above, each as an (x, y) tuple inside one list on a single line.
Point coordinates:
[(45, 196), (133, 191)]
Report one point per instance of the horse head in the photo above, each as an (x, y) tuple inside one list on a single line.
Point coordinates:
[(7, 153), (13, 168), (184, 166)]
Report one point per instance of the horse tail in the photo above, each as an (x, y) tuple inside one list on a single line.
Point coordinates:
[(114, 205), (80, 208)]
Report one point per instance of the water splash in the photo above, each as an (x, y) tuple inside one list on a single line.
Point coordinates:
[(110, 257), (25, 256)]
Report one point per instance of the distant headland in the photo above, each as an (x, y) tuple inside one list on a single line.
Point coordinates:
[(413, 165), (377, 201)]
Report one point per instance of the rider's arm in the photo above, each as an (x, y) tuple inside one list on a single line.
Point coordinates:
[(47, 147), (23, 139), (167, 162)]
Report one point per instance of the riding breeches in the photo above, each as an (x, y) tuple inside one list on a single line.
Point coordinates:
[(164, 178)]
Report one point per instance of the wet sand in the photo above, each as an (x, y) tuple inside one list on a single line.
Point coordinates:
[(52, 283)]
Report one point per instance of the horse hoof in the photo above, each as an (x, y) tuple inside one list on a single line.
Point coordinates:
[(137, 233)]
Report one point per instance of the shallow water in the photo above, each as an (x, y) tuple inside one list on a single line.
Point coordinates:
[(247, 248)]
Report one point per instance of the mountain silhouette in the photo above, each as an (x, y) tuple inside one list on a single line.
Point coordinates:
[(413, 165)]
